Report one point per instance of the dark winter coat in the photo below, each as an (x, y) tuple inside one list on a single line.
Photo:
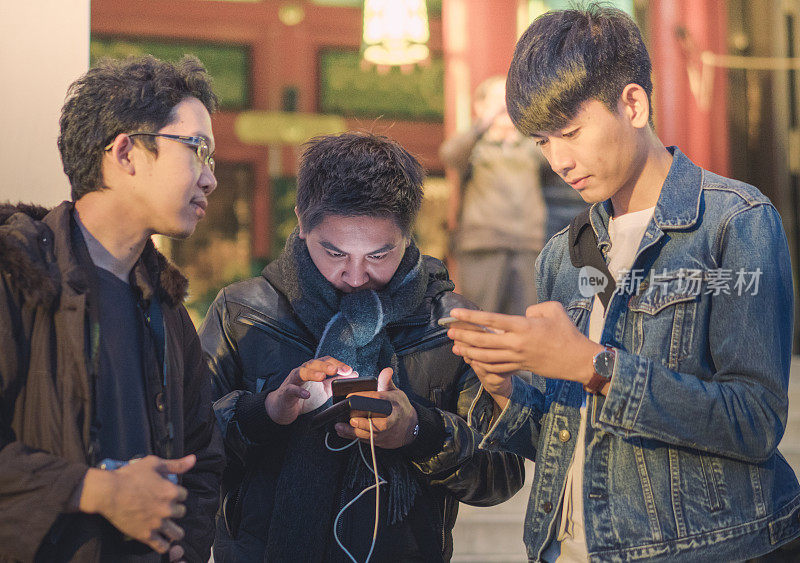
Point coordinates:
[(253, 340), (46, 384)]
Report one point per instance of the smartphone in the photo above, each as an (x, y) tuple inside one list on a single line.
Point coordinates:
[(343, 386), (342, 411), (452, 322)]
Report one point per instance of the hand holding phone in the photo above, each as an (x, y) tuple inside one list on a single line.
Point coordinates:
[(452, 322), (354, 405)]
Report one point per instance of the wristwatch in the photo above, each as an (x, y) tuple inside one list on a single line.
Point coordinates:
[(603, 364)]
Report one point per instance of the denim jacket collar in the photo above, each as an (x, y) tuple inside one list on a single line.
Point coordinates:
[(678, 205)]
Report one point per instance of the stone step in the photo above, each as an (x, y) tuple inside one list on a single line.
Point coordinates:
[(493, 534), (489, 558), (496, 538)]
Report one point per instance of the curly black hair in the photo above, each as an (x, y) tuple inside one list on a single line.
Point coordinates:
[(123, 96), (358, 174)]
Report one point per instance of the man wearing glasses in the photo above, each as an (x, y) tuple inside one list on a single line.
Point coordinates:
[(108, 447)]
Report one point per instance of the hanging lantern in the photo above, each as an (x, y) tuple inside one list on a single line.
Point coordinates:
[(395, 32)]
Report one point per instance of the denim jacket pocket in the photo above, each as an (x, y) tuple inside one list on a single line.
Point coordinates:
[(664, 312), (578, 311)]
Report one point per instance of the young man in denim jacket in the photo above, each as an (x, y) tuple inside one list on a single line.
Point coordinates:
[(654, 421)]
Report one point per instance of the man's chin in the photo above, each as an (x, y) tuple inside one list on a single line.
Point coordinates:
[(180, 233)]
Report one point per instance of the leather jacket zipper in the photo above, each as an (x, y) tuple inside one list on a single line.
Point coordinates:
[(267, 326), (444, 523)]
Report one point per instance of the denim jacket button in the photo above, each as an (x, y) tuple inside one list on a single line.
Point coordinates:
[(547, 506), (564, 435), (160, 402)]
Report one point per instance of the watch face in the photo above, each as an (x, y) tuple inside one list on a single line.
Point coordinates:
[(604, 363)]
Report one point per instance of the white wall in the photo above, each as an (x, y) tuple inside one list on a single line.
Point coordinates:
[(44, 46)]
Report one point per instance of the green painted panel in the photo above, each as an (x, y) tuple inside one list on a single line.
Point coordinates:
[(284, 197), (228, 65), (350, 90), (537, 7), (434, 6)]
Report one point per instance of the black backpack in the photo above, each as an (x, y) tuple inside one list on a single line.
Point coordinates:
[(583, 251)]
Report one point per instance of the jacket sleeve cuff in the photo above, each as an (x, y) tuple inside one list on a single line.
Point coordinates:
[(628, 382), (253, 420), (431, 436), (516, 427)]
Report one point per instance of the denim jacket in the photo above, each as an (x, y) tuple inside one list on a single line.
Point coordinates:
[(681, 455)]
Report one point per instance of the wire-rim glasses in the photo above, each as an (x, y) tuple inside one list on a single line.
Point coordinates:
[(200, 144)]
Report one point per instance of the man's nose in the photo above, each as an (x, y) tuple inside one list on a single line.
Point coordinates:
[(207, 181), (356, 273), (559, 156)]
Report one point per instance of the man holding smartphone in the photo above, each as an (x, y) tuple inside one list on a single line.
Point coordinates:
[(350, 292), (657, 409)]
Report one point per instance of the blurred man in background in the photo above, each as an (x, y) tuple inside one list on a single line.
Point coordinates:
[(497, 215)]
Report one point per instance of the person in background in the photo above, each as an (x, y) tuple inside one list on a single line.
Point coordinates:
[(497, 215), (108, 446), (350, 292), (656, 410)]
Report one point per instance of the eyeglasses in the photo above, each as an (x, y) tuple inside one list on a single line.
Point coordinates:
[(199, 144)]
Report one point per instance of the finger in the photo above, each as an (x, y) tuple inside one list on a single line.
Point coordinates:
[(480, 339), (345, 431), (312, 373), (500, 370), (492, 320), (171, 530), (296, 391), (157, 542), (487, 355), (180, 494), (339, 366), (362, 423), (178, 466), (175, 554), (385, 382), (364, 436), (178, 510)]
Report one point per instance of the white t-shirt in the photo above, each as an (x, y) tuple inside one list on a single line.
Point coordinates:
[(625, 232)]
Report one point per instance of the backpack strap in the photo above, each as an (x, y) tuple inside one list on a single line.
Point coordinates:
[(583, 251)]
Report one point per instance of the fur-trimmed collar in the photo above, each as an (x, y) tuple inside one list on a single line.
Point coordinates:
[(28, 260)]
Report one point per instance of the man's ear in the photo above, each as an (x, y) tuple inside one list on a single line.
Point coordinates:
[(120, 153), (301, 234), (635, 105)]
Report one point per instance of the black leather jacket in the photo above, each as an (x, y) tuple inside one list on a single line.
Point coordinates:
[(252, 341)]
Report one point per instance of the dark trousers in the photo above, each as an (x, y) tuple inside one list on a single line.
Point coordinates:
[(501, 281)]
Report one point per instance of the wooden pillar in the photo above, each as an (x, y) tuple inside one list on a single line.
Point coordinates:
[(690, 102), (478, 40)]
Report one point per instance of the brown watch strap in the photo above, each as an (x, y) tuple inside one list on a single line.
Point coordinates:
[(597, 382)]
